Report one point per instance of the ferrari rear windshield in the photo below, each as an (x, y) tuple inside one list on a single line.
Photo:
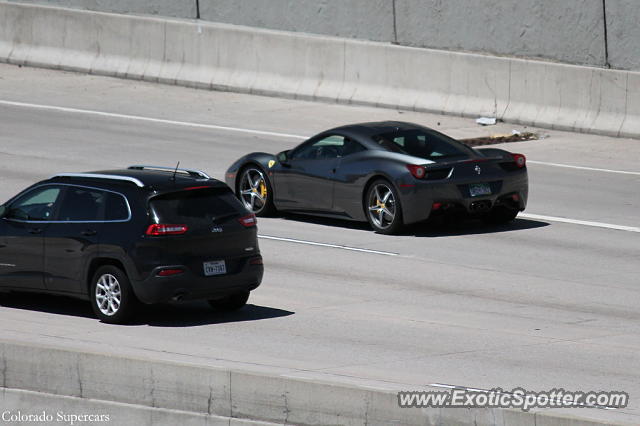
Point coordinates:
[(422, 143)]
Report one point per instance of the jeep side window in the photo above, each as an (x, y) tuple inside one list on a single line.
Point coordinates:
[(37, 204), (82, 204), (116, 207)]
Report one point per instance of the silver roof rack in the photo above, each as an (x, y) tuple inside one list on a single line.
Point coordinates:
[(191, 172), (138, 182)]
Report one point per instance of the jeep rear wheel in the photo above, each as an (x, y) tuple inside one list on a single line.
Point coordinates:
[(112, 298)]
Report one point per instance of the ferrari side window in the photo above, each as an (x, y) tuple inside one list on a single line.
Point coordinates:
[(325, 148), (418, 143), (351, 147)]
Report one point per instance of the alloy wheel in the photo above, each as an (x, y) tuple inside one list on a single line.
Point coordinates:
[(382, 206), (253, 190), (108, 294)]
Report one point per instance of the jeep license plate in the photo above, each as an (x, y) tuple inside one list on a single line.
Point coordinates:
[(215, 267)]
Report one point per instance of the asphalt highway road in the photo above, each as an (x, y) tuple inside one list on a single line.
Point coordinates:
[(546, 302)]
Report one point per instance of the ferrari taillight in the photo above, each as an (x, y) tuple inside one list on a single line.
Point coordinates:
[(520, 160), (418, 172)]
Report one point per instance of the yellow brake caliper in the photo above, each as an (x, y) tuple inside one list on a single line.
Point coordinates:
[(263, 189)]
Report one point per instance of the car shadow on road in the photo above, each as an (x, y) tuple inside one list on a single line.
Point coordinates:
[(326, 221), (469, 227), (431, 228), (188, 314), (183, 314), (58, 305)]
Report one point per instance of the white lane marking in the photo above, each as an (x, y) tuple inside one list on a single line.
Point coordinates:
[(580, 222), (593, 169), (239, 129), (440, 385), (149, 119), (313, 243)]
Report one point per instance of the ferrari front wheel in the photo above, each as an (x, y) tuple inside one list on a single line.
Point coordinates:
[(254, 190), (383, 208)]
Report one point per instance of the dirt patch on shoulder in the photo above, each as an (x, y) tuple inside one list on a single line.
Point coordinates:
[(496, 139)]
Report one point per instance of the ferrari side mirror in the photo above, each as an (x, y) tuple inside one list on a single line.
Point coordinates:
[(283, 157)]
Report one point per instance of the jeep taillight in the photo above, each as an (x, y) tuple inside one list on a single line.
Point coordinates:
[(166, 229), (248, 221)]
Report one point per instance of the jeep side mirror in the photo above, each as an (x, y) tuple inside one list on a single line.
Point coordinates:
[(3, 211)]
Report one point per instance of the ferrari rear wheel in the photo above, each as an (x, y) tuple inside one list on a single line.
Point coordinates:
[(382, 207), (254, 190)]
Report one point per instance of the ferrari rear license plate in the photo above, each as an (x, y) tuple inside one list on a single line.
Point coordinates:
[(477, 189), (215, 267)]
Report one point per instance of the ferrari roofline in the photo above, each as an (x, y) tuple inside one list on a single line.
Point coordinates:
[(377, 127)]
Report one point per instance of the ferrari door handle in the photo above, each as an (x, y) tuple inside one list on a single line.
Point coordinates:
[(35, 230), (89, 232)]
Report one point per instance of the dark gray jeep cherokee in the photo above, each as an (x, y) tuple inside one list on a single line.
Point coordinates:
[(120, 237)]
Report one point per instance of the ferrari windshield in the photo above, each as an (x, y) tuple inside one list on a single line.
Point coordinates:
[(422, 143)]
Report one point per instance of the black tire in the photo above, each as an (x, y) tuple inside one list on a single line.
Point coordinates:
[(500, 215), (256, 197), (232, 302), (111, 295), (382, 207)]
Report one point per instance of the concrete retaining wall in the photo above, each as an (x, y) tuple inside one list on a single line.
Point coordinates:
[(226, 57), (624, 33), (37, 380), (571, 31), (363, 19), (172, 8)]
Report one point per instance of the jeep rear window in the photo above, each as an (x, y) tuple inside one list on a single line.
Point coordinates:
[(196, 205)]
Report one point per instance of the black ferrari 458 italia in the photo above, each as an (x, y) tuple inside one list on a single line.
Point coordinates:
[(390, 174)]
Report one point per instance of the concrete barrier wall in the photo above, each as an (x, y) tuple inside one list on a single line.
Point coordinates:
[(47, 380), (52, 409), (227, 57), (571, 31)]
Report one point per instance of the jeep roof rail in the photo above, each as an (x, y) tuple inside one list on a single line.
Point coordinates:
[(191, 172), (138, 182)]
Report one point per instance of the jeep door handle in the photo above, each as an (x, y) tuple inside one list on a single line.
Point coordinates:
[(35, 230), (89, 232)]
